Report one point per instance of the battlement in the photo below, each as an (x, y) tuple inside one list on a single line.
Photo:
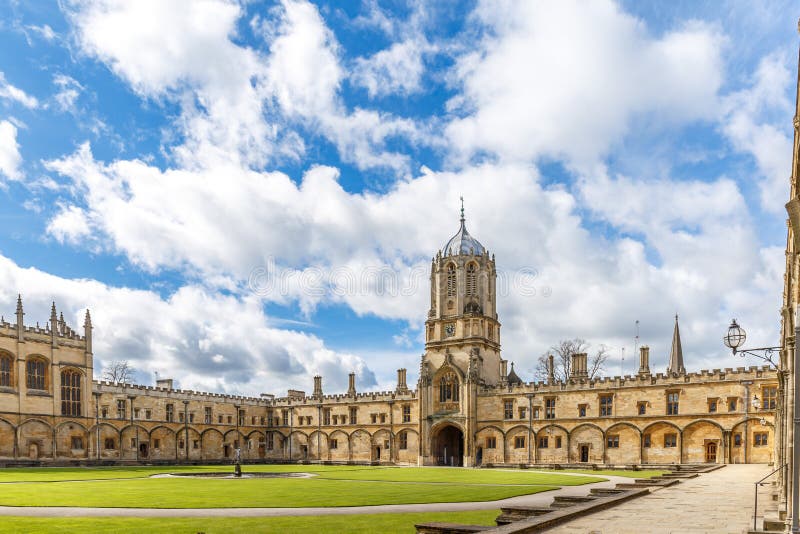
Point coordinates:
[(705, 376), (345, 398), (56, 329), (102, 386)]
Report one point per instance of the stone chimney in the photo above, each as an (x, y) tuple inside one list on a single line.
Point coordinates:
[(644, 360), (503, 371), (165, 383), (351, 389), (551, 370), (579, 366), (401, 381), (318, 386)]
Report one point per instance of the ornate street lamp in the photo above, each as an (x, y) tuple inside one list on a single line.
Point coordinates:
[(736, 337)]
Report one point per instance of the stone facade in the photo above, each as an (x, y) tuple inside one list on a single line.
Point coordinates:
[(467, 409)]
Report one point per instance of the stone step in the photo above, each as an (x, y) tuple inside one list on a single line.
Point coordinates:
[(604, 491), (517, 513), (450, 528), (563, 501)]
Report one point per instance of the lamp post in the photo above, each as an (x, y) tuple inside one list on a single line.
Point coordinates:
[(132, 398), (734, 339), (186, 429)]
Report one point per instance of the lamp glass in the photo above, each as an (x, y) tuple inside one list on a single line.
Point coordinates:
[(735, 337)]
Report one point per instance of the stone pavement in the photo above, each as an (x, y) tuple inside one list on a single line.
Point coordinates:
[(715, 503), (538, 499)]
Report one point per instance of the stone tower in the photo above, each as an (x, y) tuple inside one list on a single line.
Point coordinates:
[(462, 348)]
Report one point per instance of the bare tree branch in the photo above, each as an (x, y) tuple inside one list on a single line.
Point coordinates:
[(119, 372), (562, 361)]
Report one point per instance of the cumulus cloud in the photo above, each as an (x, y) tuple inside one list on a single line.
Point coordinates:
[(754, 120), (238, 105), (69, 89), (205, 340), (521, 100), (10, 158)]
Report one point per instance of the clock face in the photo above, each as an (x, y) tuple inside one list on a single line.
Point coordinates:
[(450, 330)]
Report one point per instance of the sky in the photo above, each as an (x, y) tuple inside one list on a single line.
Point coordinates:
[(246, 194)]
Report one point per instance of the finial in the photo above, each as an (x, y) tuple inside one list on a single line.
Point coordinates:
[(19, 303), (462, 208), (53, 315), (88, 320), (676, 317)]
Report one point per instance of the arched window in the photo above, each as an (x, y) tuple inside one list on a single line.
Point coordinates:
[(6, 376), (70, 392), (36, 374), (448, 388), (472, 280), (451, 280)]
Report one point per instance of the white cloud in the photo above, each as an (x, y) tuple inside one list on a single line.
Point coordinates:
[(16, 94), (754, 120), (397, 69), (69, 89), (10, 158), (206, 341), (69, 225), (238, 105), (522, 99)]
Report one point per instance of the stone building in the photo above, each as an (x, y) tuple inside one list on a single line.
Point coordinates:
[(467, 408)]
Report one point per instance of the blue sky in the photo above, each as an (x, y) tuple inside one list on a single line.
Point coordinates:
[(156, 157)]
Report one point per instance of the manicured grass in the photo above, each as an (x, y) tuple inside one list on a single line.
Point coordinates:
[(366, 523), (132, 487), (212, 493)]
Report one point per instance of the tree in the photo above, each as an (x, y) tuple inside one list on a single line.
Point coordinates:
[(119, 372), (562, 359)]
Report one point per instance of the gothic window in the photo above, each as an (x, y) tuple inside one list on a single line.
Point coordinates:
[(508, 409), (606, 404), (208, 415), (646, 441), (353, 416), (550, 408), (109, 444), (448, 388), (770, 396), (451, 280), (672, 403), (472, 280), (35, 374), (70, 392), (5, 371), (170, 413), (558, 442), (406, 413), (519, 442), (670, 440), (543, 442), (121, 408), (612, 441), (491, 442), (334, 444), (760, 439), (326, 416), (270, 441), (403, 440)]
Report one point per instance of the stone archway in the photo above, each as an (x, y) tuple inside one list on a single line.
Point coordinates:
[(448, 446)]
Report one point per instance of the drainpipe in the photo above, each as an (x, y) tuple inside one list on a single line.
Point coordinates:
[(746, 413), (530, 426), (186, 427)]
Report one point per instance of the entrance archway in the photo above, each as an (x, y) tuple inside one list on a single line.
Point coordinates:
[(448, 446)]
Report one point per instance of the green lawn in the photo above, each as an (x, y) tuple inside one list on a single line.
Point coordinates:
[(367, 523), (132, 487)]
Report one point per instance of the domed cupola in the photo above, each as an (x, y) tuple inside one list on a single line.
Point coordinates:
[(462, 242)]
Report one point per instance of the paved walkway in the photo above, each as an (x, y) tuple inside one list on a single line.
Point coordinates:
[(715, 503), (538, 499)]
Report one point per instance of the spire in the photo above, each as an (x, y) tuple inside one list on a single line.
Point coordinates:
[(20, 326), (676, 354), (462, 210), (53, 314), (19, 303), (88, 320)]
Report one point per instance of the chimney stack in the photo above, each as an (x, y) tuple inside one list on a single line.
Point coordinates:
[(401, 381), (351, 390), (579, 366), (551, 370), (644, 360), (503, 371), (318, 386)]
